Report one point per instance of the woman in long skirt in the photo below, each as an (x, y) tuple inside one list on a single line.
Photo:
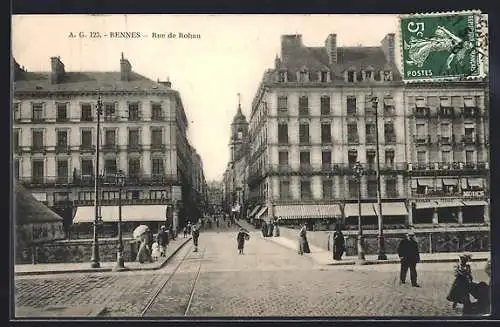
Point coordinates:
[(460, 289), (303, 244), (338, 244), (241, 238)]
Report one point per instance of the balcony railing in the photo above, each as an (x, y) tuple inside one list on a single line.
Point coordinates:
[(470, 112), (38, 149), (158, 147), (334, 168), (390, 139), (303, 112), (109, 148), (352, 111), (87, 148), (389, 111), (421, 112), (370, 139), (134, 147), (63, 148), (446, 112), (283, 141), (446, 140), (470, 139), (111, 118), (157, 118), (442, 166), (62, 119), (282, 112), (305, 141), (37, 119), (352, 140), (422, 139), (86, 118)]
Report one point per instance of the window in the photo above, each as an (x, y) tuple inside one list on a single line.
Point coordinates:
[(325, 105), (86, 196), (351, 75), (421, 130), (37, 140), (37, 112), (327, 189), (15, 140), (134, 167), (326, 133), (240, 135), (133, 111), (304, 76), (282, 133), (420, 103), (303, 106), (87, 167), (469, 131), (157, 167), (110, 137), (326, 159), (282, 77), (109, 111), (133, 195), (353, 188), (368, 75), (370, 133), (389, 158), (156, 112), (86, 138), (324, 77), (352, 133), (62, 139), (282, 103), (444, 102), (157, 137), (37, 170), (133, 137), (62, 170), (110, 167), (305, 190), (387, 76), (390, 188), (370, 159), (304, 133), (389, 133), (62, 112), (445, 130), (284, 190), (446, 156), (422, 157), (110, 195), (469, 157), (372, 188), (352, 158), (86, 112), (469, 102), (359, 76), (17, 111), (283, 158), (389, 107), (305, 158), (157, 195), (351, 105), (16, 169)]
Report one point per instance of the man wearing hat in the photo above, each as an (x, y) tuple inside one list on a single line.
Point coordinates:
[(409, 256), (161, 239)]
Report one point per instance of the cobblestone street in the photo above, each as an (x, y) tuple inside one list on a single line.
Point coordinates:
[(268, 280)]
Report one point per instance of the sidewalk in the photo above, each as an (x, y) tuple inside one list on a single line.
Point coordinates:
[(323, 257), (84, 267)]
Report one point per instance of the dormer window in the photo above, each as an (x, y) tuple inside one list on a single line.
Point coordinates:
[(324, 76), (303, 76), (369, 76), (282, 77), (351, 75), (240, 135), (387, 76), (359, 76)]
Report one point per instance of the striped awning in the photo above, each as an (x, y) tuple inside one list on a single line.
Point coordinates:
[(254, 211), (308, 211), (425, 205), (392, 209), (450, 182), (475, 182), (261, 213), (129, 213), (426, 182), (470, 203), (449, 204), (351, 209)]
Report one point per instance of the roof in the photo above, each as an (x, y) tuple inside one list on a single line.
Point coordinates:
[(315, 59), (29, 210), (87, 81), (239, 118)]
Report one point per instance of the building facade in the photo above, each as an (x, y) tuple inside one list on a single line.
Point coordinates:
[(318, 112), (143, 134)]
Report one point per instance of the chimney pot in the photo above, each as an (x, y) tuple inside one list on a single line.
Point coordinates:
[(125, 68), (331, 48), (57, 70), (388, 47)]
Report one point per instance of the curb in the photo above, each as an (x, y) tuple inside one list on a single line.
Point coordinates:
[(392, 261), (99, 270)]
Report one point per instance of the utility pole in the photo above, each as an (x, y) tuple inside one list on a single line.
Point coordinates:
[(381, 242), (95, 260)]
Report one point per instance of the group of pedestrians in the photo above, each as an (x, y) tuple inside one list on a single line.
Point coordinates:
[(270, 228), (151, 247)]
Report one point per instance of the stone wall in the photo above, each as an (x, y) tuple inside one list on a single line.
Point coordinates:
[(429, 241), (66, 251)]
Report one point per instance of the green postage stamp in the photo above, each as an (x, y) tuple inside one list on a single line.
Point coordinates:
[(443, 46)]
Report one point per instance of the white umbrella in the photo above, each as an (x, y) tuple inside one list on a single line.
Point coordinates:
[(140, 230)]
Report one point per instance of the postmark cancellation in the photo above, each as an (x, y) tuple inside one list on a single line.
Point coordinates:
[(444, 46)]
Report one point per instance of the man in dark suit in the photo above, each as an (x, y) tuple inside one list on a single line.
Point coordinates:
[(409, 256)]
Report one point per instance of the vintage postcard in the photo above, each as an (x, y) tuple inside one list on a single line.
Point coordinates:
[(183, 166)]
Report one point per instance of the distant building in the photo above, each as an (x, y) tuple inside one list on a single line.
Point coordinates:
[(313, 118), (144, 134)]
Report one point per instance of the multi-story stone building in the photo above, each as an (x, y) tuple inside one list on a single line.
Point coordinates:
[(143, 134), (235, 177), (215, 197), (314, 116)]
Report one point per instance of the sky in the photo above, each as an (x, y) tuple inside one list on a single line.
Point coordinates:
[(230, 57)]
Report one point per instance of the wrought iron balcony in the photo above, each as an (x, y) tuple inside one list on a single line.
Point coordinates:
[(38, 119), (446, 112), (370, 139), (446, 140), (471, 112), (109, 148), (352, 111), (158, 147), (63, 148), (479, 167), (111, 118), (157, 117), (87, 118), (470, 139), (352, 140), (421, 112), (46, 181), (283, 142), (134, 147), (305, 141), (38, 149), (389, 111), (282, 112), (422, 139), (304, 112), (390, 139), (87, 148), (62, 119)]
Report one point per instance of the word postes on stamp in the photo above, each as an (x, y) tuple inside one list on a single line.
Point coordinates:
[(441, 46)]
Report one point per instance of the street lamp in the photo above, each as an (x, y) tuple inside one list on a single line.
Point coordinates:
[(120, 265), (95, 244), (381, 243), (358, 172)]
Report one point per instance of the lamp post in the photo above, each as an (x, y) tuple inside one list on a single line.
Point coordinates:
[(120, 264), (358, 172), (95, 244), (381, 243)]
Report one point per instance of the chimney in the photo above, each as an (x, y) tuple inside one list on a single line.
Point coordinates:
[(57, 70), (125, 69), (277, 62), (331, 48), (387, 45), (166, 83), (289, 43)]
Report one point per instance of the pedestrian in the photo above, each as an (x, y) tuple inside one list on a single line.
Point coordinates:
[(303, 244), (276, 229), (196, 234), (217, 222), (338, 243), (461, 287), (270, 228), (241, 238), (409, 256), (189, 227), (264, 229), (162, 239), (185, 231)]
